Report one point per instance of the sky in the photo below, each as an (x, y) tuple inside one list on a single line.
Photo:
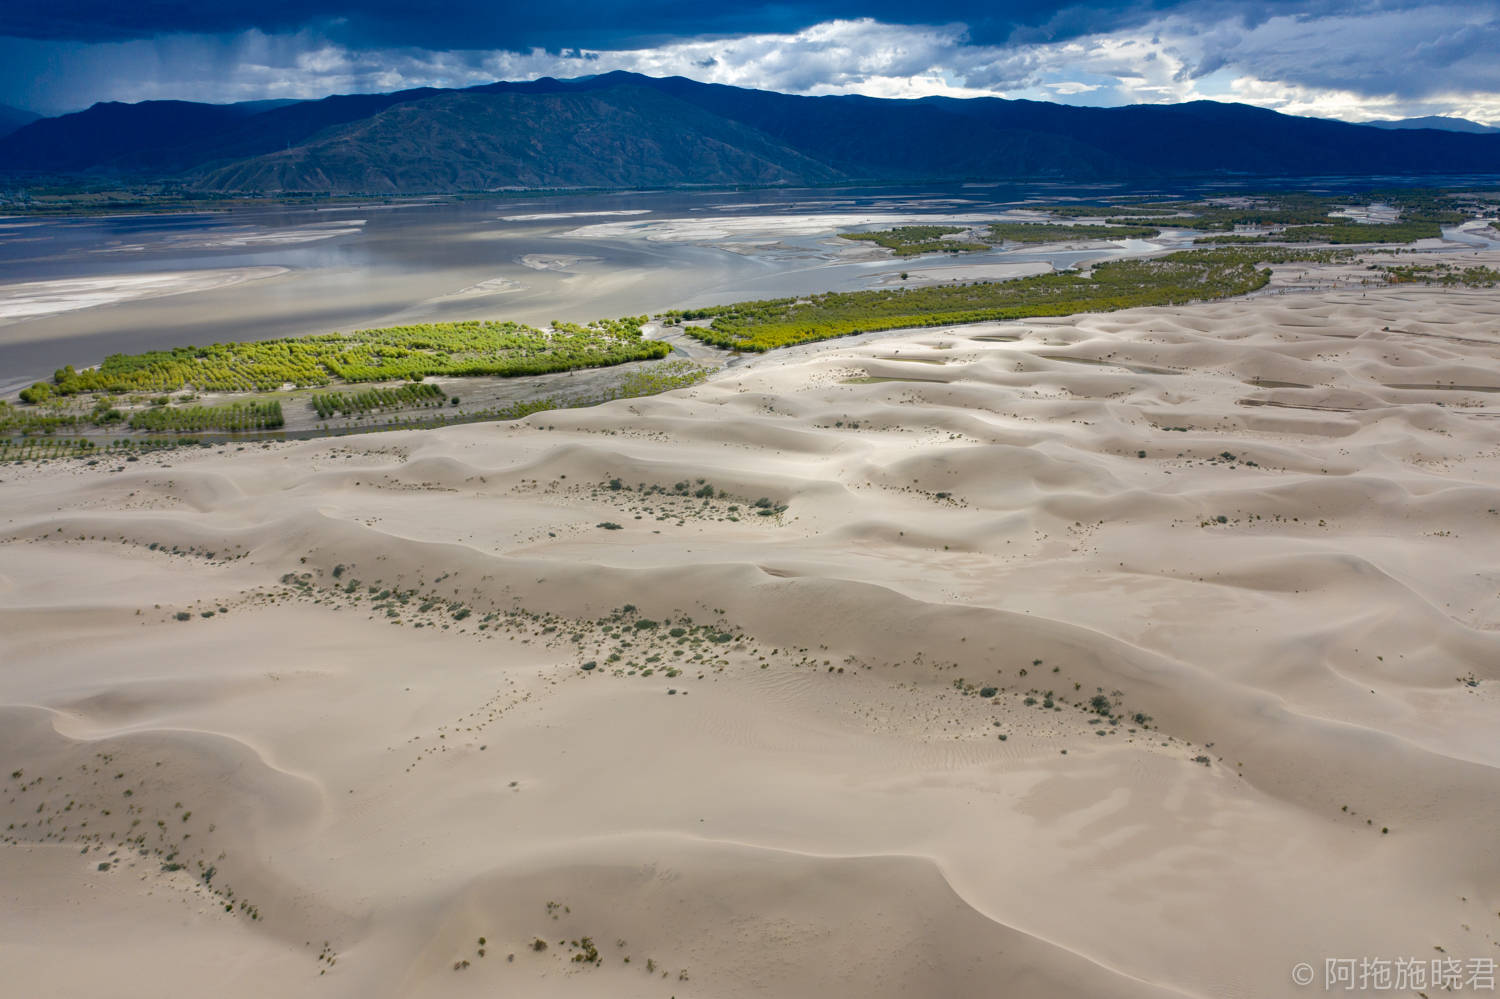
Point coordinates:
[(1328, 58)]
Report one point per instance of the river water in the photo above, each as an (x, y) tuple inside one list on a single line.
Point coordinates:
[(73, 290)]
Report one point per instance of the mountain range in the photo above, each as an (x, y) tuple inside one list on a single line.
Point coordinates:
[(14, 118), (1440, 122), (622, 130)]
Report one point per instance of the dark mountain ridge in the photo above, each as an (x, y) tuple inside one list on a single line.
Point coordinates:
[(1440, 122), (14, 118), (625, 130)]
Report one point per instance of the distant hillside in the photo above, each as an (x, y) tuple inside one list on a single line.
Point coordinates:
[(13, 118), (1438, 122), (166, 138), (631, 137), (624, 130)]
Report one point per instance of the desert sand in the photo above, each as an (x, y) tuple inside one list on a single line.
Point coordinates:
[(1140, 654)]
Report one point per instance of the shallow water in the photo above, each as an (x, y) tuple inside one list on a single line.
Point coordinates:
[(534, 259)]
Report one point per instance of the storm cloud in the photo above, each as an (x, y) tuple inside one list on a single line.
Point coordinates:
[(1334, 59)]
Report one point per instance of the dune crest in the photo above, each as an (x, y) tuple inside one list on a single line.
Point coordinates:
[(1139, 654)]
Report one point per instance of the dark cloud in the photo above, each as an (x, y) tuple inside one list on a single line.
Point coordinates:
[(602, 24), (1374, 57), (588, 23)]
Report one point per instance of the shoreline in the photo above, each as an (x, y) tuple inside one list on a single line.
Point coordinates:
[(480, 396), (1208, 183)]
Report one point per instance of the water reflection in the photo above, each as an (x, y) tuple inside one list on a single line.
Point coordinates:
[(361, 265)]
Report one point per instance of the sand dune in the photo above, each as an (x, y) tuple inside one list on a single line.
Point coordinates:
[(1140, 654)]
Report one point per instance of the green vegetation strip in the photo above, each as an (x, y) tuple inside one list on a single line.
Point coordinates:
[(1122, 284), (910, 240), (1341, 234), (354, 403), (239, 416), (1076, 211), (402, 352), (16, 420)]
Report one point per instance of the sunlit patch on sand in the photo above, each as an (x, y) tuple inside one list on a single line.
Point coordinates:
[(232, 237), (489, 286), (553, 216), (720, 228), (31, 299), (553, 261)]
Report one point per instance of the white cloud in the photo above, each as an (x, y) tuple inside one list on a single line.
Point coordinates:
[(1381, 64), (1070, 87)]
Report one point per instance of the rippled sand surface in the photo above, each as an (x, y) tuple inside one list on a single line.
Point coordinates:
[(1141, 654)]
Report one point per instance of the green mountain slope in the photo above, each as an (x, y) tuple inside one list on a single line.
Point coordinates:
[(628, 137), (622, 130)]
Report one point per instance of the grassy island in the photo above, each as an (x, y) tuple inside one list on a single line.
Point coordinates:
[(1284, 217), (400, 352), (1045, 232), (911, 240)]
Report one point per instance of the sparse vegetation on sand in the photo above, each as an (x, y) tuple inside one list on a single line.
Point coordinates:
[(685, 500), (1448, 275), (112, 805), (1097, 210), (911, 240), (627, 645), (1341, 233)]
